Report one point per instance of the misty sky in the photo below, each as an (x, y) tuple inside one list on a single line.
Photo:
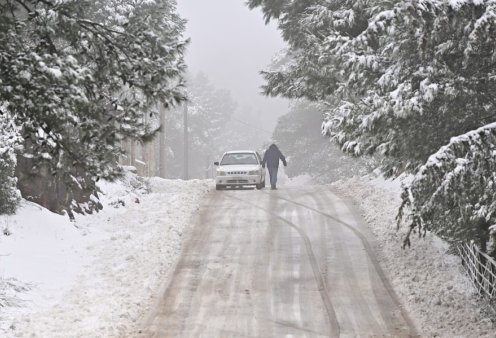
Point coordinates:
[(231, 44)]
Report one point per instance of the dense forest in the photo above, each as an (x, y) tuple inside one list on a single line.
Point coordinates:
[(77, 78), (411, 81)]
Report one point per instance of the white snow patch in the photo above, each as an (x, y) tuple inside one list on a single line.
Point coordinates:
[(55, 72), (25, 75), (284, 180), (95, 277), (427, 278)]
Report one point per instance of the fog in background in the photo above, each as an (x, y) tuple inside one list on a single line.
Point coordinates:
[(231, 44)]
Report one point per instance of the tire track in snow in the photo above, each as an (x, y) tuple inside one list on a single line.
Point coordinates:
[(322, 287), (370, 253)]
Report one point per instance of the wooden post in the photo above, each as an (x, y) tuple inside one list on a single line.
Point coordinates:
[(186, 145), (162, 144)]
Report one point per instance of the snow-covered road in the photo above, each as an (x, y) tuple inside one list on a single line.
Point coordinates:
[(102, 275), (291, 262)]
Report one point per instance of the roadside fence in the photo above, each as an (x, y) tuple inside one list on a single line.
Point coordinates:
[(481, 270)]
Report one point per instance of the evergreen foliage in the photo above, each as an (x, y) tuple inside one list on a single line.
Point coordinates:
[(79, 75), (453, 193), (400, 79), (308, 151), (9, 139)]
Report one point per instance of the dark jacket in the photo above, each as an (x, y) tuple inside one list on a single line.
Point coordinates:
[(272, 156)]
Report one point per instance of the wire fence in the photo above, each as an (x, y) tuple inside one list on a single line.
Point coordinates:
[(481, 270)]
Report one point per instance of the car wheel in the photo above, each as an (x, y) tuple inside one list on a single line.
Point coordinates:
[(219, 187)]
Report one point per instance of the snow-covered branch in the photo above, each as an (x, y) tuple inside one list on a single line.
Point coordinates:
[(86, 73), (453, 193)]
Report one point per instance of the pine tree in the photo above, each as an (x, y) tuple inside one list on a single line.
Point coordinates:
[(309, 152), (80, 75), (453, 193), (9, 139), (433, 82), (391, 73), (400, 79)]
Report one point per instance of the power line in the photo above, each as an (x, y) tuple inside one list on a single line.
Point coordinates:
[(252, 126)]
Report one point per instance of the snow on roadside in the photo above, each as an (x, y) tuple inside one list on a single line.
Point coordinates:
[(95, 277), (428, 280)]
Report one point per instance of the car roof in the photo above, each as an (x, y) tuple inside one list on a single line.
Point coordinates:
[(239, 151)]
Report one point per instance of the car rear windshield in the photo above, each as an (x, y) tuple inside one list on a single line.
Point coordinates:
[(239, 158)]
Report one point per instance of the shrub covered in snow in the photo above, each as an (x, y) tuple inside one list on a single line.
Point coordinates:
[(453, 193), (9, 195)]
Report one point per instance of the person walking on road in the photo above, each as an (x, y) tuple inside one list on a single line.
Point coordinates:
[(271, 159)]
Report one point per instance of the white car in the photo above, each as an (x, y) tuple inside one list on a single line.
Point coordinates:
[(240, 168)]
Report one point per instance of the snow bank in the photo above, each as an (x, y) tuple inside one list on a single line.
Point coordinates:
[(429, 280), (97, 276)]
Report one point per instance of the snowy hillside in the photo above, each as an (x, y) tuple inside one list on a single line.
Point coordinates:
[(428, 280), (98, 275)]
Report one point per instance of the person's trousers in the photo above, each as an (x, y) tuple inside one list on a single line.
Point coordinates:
[(273, 176)]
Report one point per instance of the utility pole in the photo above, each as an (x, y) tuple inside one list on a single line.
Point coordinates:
[(162, 144), (186, 145), (207, 168)]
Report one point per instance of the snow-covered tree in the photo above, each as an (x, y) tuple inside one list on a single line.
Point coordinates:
[(400, 79), (9, 139), (308, 151), (430, 79), (79, 75), (324, 48), (314, 31), (390, 72), (453, 194), (439, 87)]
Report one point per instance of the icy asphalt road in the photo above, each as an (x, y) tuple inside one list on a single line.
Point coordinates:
[(295, 262)]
